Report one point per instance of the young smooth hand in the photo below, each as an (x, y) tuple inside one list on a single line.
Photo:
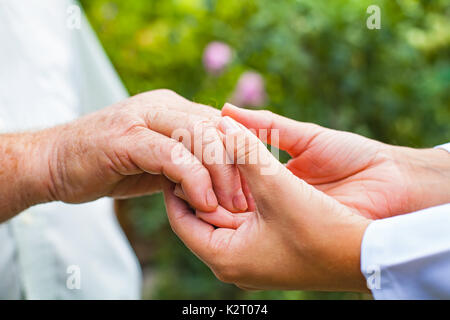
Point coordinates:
[(296, 237), (372, 178)]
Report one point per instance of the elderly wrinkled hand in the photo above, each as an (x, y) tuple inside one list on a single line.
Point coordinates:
[(123, 151)]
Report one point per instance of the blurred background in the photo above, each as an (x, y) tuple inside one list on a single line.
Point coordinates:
[(310, 60)]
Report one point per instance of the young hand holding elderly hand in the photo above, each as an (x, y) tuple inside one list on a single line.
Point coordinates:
[(306, 221), (296, 236), (298, 226)]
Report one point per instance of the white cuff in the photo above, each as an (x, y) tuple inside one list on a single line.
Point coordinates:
[(445, 146), (408, 256)]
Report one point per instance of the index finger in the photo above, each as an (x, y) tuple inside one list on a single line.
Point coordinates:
[(194, 232), (294, 136), (201, 136)]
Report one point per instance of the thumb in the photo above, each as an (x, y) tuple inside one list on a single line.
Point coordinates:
[(294, 136), (265, 175)]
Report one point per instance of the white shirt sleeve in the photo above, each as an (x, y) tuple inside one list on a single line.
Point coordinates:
[(445, 146), (408, 256)]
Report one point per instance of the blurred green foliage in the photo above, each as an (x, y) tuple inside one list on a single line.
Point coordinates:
[(320, 63)]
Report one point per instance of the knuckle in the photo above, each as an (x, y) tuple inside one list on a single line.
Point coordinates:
[(247, 150), (215, 118), (176, 152), (197, 170), (161, 92), (210, 136), (266, 113), (201, 124), (153, 115), (155, 98), (205, 134), (315, 128), (174, 146)]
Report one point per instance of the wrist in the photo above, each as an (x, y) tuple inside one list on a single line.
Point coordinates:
[(336, 253), (347, 256), (355, 278), (33, 167), (428, 172), (24, 175)]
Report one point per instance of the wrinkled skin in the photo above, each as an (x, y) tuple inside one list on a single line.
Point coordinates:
[(122, 151)]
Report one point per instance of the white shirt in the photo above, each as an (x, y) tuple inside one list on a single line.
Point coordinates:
[(408, 256), (51, 74)]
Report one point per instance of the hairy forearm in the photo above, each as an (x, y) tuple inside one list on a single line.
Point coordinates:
[(24, 175)]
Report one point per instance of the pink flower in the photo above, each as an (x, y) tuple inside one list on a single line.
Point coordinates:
[(216, 57), (250, 90)]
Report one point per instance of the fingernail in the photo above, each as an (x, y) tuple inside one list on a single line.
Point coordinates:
[(239, 201), (211, 199), (228, 125)]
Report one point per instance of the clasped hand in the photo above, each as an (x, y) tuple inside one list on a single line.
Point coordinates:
[(306, 220), (256, 222)]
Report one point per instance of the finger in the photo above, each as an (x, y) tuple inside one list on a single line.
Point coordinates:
[(202, 138), (194, 232), (137, 185), (248, 195), (178, 191), (198, 109), (294, 136), (266, 177), (169, 99), (223, 218), (158, 154)]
